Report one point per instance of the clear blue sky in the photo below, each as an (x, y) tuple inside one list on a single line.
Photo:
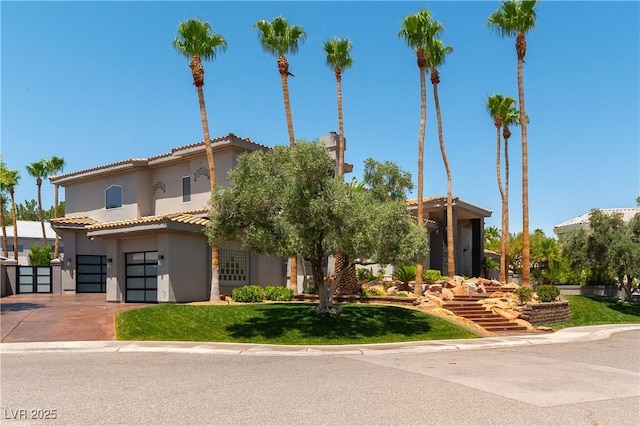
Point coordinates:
[(99, 82)]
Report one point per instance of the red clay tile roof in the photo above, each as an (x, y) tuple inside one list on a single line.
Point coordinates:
[(73, 220)]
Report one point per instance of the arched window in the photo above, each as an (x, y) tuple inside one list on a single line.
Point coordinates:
[(113, 197)]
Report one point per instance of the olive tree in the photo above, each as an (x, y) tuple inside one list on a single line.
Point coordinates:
[(286, 201)]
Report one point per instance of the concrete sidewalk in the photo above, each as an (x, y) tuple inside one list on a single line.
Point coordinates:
[(568, 335)]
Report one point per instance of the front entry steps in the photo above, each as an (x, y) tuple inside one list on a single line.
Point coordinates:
[(466, 306)]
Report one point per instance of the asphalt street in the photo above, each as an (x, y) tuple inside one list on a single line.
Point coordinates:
[(585, 381)]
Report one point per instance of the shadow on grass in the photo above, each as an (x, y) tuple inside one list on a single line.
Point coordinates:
[(614, 304), (353, 322)]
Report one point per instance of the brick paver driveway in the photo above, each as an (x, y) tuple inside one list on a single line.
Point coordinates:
[(58, 317)]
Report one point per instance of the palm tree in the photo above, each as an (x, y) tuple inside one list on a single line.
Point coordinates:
[(196, 41), (4, 191), (278, 38), (417, 30), (338, 59), (516, 18), (8, 181), (55, 166), (498, 106), (511, 118), (39, 170), (436, 55)]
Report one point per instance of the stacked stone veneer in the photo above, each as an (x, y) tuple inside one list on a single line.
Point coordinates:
[(542, 313)]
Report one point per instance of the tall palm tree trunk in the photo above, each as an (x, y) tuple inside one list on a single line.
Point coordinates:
[(505, 202), (423, 125), (503, 254), (521, 48), (198, 81), (41, 212), (14, 217), (340, 125), (5, 243), (451, 259), (56, 244), (283, 68)]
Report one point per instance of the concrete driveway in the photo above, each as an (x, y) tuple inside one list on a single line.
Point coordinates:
[(58, 317)]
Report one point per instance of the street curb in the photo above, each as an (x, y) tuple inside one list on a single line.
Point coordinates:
[(567, 335)]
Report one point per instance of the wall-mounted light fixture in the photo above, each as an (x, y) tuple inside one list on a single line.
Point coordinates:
[(109, 260), (69, 262), (160, 259)]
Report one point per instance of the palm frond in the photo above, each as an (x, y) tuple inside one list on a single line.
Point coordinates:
[(197, 38)]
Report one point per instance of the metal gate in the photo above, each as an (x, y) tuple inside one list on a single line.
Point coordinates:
[(34, 279)]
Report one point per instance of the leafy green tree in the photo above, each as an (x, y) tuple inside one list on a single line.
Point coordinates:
[(386, 181), (40, 256), (287, 200), (196, 40), (39, 170), (492, 239), (418, 30), (516, 18), (279, 38)]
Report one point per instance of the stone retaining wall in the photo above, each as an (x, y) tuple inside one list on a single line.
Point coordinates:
[(543, 313)]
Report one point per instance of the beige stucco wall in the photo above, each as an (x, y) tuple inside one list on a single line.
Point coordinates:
[(87, 198), (183, 275)]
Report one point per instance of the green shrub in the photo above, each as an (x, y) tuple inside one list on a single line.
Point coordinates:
[(40, 256), (431, 275), (248, 294), (373, 291), (405, 273), (524, 294), (363, 274), (278, 293), (403, 294), (547, 292), (310, 289)]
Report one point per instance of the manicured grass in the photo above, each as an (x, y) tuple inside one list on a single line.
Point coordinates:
[(594, 310), (286, 324)]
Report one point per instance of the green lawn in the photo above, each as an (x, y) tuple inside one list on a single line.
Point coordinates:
[(594, 310), (285, 324)]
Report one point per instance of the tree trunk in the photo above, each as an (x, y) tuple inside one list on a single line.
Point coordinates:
[(14, 217), (526, 253), (503, 254), (41, 212), (423, 125), (340, 126), (5, 244), (198, 81), (283, 68), (56, 244), (451, 259), (505, 207)]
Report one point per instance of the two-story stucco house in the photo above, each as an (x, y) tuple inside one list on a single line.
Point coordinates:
[(134, 229)]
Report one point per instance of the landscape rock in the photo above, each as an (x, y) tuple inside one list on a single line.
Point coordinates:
[(435, 288), (447, 295), (481, 288), (471, 287), (525, 323), (392, 291), (433, 299), (459, 290)]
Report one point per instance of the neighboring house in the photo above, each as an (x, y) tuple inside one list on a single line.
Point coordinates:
[(468, 234), (29, 233), (583, 221)]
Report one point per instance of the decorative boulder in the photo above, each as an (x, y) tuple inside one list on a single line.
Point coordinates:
[(481, 288), (392, 290), (447, 295), (471, 287), (435, 288), (459, 290)]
